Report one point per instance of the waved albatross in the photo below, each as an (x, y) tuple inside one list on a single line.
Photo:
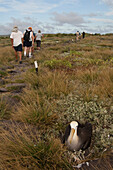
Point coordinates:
[(78, 136)]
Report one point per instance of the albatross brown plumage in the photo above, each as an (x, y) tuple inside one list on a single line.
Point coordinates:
[(78, 136)]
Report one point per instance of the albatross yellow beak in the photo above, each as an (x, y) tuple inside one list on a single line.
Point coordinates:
[(71, 135)]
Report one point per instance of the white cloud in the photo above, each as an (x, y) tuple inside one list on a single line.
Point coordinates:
[(2, 9), (93, 14), (109, 13), (109, 2), (100, 29), (110, 5), (24, 23), (102, 20), (28, 6), (52, 28), (33, 6), (68, 18)]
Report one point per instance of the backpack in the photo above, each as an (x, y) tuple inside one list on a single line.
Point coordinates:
[(27, 35)]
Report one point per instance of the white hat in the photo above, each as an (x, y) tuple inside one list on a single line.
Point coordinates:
[(15, 29)]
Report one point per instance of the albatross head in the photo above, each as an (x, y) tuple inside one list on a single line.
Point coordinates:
[(74, 126)]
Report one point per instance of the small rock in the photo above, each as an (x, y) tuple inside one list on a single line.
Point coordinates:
[(16, 85), (3, 90), (12, 71)]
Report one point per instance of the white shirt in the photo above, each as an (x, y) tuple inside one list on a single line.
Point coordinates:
[(38, 36), (17, 38)]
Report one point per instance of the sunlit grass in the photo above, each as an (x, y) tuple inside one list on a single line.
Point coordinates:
[(52, 84), (95, 82), (35, 109), (6, 55)]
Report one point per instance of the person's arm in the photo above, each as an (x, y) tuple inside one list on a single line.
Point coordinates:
[(12, 42), (35, 36), (22, 41), (32, 38)]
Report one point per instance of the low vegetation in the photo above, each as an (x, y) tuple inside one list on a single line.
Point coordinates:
[(74, 82)]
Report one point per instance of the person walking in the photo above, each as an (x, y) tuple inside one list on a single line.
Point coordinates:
[(77, 35), (83, 34), (28, 42), (33, 43), (17, 42), (38, 37)]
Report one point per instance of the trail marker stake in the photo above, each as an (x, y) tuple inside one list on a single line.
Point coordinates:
[(36, 66)]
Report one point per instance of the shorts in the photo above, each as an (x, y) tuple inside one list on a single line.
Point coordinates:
[(18, 48), (27, 43), (38, 43)]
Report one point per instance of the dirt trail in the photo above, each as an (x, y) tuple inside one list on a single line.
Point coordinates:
[(12, 83)]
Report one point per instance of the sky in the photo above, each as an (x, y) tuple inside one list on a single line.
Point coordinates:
[(57, 16)]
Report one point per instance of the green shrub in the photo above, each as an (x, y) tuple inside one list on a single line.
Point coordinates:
[(53, 64)]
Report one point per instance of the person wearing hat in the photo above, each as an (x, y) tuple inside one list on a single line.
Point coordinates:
[(28, 42), (17, 41), (77, 35)]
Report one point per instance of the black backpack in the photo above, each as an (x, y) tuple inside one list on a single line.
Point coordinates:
[(27, 35)]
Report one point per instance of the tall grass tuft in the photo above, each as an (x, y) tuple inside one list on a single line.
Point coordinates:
[(21, 150), (95, 82), (35, 109), (5, 109), (6, 55), (52, 84)]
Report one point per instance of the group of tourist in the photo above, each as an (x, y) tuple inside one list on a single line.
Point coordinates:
[(78, 35), (26, 40)]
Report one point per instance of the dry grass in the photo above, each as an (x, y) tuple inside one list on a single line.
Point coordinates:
[(96, 82), (5, 109), (6, 55), (35, 109), (22, 148), (51, 83)]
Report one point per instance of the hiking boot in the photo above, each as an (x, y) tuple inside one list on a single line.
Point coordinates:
[(20, 62)]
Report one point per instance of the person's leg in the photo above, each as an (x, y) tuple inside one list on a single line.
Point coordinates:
[(25, 51), (20, 55), (20, 52), (38, 44), (16, 55), (30, 49), (30, 52)]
